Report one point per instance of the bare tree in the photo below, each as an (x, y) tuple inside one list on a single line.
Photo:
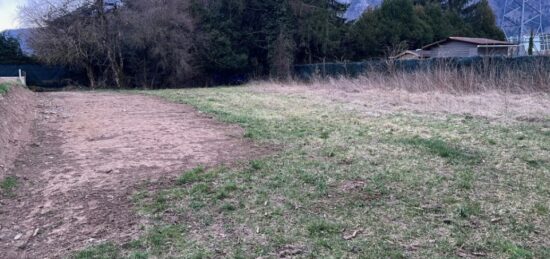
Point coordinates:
[(111, 39), (162, 30), (62, 35), (282, 57), (144, 43)]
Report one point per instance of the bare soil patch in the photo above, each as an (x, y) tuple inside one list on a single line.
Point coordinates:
[(17, 111), (88, 153)]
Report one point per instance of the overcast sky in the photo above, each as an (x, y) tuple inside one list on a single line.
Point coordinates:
[(8, 13)]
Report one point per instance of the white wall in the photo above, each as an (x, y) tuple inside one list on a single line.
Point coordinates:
[(454, 49)]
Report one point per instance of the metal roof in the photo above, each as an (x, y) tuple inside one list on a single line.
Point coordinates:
[(476, 41), (406, 52)]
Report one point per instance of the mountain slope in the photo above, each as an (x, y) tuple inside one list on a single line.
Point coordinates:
[(358, 7)]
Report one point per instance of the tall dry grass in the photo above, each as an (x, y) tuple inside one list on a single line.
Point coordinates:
[(511, 93), (449, 78)]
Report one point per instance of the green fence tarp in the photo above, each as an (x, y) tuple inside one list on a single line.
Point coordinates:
[(43, 75)]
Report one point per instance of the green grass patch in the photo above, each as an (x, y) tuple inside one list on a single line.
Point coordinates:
[(344, 185), (103, 251), (443, 149), (465, 180), (514, 251), (468, 209), (196, 175), (4, 88), (8, 185), (321, 228)]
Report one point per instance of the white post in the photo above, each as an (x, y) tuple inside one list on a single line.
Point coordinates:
[(21, 78)]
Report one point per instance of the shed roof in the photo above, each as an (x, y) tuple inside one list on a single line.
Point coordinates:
[(475, 41), (406, 52)]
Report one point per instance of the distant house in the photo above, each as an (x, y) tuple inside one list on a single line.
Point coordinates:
[(459, 47), (468, 47)]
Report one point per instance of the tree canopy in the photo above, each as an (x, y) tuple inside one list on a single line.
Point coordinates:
[(10, 50), (168, 43)]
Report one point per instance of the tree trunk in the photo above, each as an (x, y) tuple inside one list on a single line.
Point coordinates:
[(118, 74), (91, 77)]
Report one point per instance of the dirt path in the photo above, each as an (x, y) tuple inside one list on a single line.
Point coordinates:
[(89, 152)]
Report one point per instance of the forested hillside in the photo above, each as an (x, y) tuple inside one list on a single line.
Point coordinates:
[(163, 43), (358, 7)]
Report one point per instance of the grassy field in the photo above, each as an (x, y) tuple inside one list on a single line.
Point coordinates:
[(342, 184)]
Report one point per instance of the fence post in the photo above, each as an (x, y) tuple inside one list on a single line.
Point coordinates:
[(22, 78)]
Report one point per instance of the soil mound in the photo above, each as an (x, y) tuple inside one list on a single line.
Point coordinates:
[(17, 113)]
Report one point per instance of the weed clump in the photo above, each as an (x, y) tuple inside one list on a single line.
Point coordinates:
[(196, 175), (320, 228), (4, 88), (8, 185)]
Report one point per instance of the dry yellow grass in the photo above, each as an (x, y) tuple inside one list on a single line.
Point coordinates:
[(377, 98)]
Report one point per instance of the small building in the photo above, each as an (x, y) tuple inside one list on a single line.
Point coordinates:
[(452, 47), (410, 54)]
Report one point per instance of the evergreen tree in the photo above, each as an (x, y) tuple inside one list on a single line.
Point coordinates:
[(319, 30), (220, 41), (481, 20), (531, 44), (10, 50), (239, 36), (394, 23)]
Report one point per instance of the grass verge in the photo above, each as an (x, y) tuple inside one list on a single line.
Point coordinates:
[(348, 185)]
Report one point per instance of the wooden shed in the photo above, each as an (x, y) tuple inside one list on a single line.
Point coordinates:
[(468, 47)]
